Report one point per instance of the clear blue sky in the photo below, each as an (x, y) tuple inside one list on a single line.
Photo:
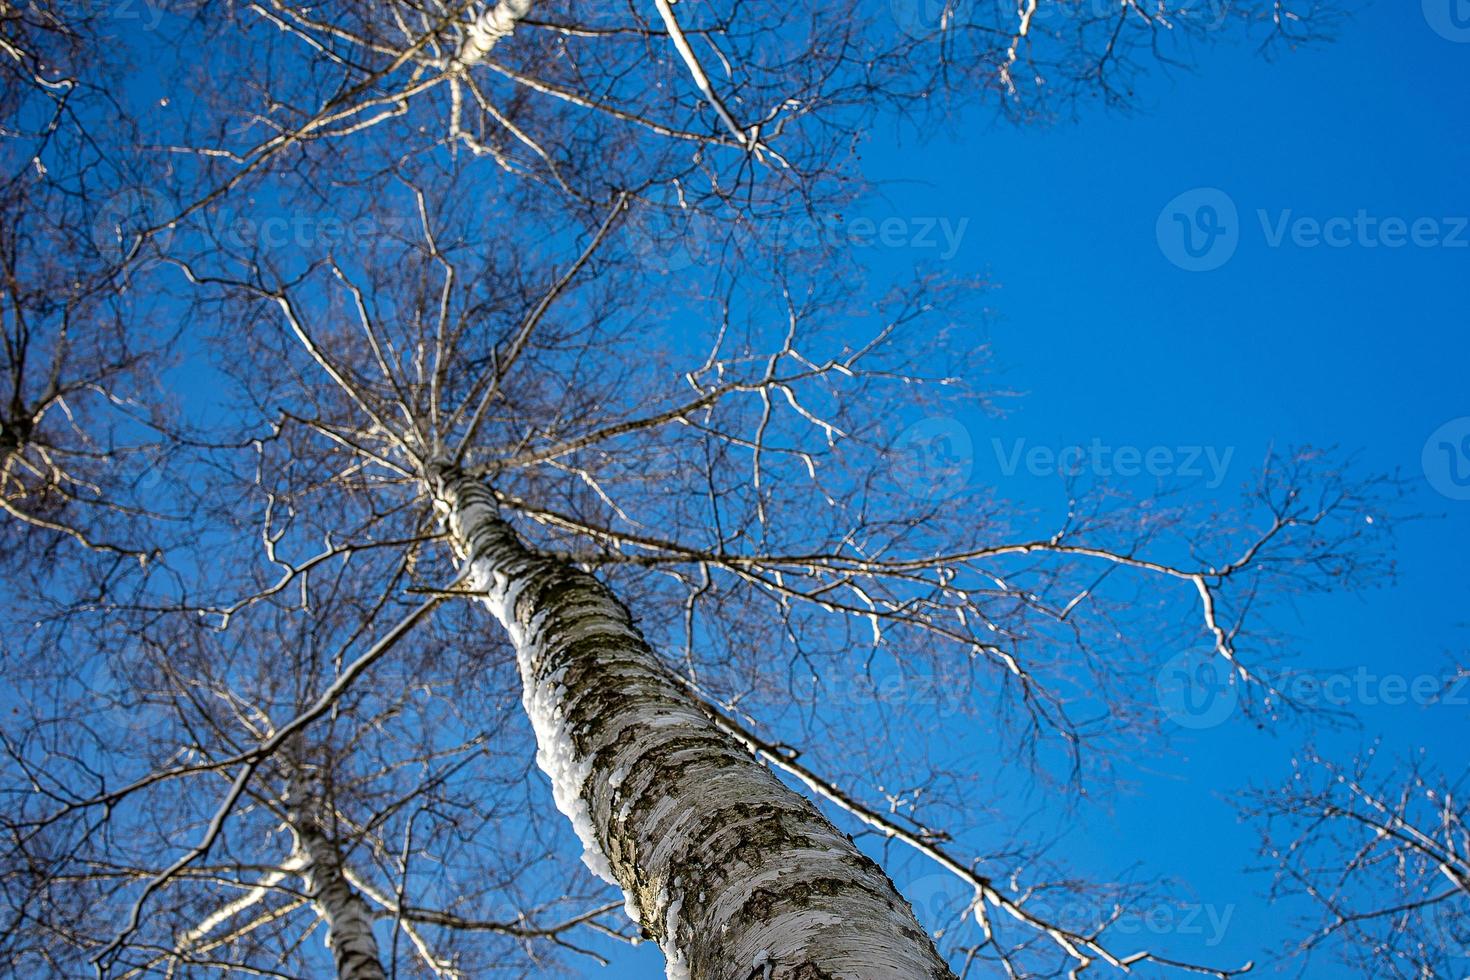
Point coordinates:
[(1285, 343)]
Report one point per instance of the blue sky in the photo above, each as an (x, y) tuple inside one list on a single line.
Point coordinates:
[(1360, 345)]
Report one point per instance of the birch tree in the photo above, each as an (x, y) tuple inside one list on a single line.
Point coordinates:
[(361, 804), (400, 385), (80, 424), (489, 395)]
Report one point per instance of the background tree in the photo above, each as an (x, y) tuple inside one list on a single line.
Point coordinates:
[(1384, 855), (400, 801), (82, 418)]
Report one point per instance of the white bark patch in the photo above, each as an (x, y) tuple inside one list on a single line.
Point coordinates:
[(488, 29), (676, 966)]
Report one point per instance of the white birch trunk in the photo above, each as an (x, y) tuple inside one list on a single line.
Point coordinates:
[(488, 29), (735, 875), (349, 919)]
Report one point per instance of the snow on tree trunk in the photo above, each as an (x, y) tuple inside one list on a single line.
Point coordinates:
[(349, 920), (737, 876)]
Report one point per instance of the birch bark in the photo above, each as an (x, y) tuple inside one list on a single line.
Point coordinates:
[(488, 29), (349, 920), (736, 876)]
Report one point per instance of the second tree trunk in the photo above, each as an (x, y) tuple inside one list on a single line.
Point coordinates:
[(349, 919)]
